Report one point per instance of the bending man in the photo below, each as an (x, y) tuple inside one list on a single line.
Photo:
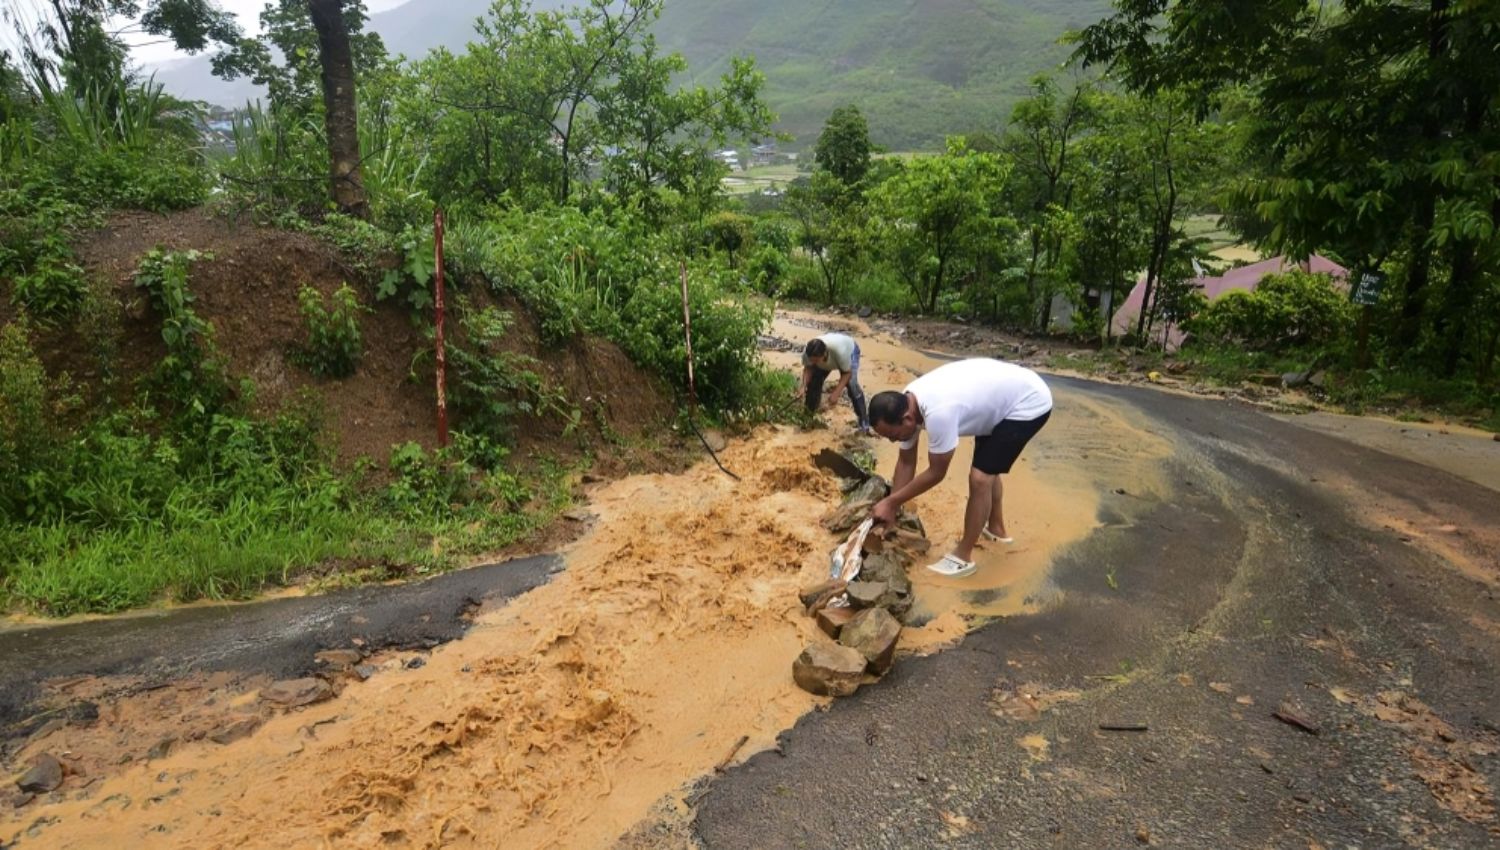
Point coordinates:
[(828, 353), (1001, 405)]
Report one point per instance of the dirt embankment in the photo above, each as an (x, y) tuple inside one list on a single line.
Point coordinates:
[(248, 292)]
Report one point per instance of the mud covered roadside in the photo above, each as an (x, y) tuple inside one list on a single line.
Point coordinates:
[(662, 651)]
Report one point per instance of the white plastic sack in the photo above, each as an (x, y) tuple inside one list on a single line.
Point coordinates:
[(847, 559)]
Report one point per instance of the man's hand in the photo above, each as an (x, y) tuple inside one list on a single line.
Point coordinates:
[(884, 511)]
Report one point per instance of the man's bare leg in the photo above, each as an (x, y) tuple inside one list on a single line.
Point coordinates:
[(997, 510), (981, 492)]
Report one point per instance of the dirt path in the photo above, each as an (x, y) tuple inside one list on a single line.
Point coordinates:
[(561, 719)]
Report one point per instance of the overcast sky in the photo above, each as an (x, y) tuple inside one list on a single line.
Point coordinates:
[(153, 55)]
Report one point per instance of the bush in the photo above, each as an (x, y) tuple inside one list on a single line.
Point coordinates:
[(1291, 310), (35, 253), (488, 388), (334, 342), (768, 269), (25, 426), (191, 376)]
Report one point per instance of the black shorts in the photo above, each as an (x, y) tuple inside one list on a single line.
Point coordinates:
[(996, 452)]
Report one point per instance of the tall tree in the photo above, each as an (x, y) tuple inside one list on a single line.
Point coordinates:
[(843, 148), (340, 108), (1380, 123), (933, 212), (1044, 128)]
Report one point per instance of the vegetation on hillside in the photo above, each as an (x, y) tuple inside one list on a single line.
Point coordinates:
[(590, 198)]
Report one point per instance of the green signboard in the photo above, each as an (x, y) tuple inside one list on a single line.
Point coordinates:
[(1367, 291)]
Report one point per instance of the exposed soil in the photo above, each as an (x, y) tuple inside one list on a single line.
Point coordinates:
[(248, 292)]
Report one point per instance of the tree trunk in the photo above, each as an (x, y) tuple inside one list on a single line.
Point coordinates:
[(1452, 326), (341, 116)]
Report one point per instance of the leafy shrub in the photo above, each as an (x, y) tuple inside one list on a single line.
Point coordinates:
[(334, 342), (728, 232), (191, 375), (35, 252), (768, 269), (52, 289), (466, 472), (488, 387), (25, 425), (1291, 310)]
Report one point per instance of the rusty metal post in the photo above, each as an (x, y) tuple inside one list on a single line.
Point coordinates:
[(442, 356), (687, 330)]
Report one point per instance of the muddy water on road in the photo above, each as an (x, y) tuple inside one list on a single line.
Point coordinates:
[(561, 718), (1051, 497)]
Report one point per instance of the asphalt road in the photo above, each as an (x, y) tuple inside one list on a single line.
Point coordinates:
[(278, 638), (1270, 576)]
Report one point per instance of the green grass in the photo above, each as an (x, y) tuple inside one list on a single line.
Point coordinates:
[(258, 540)]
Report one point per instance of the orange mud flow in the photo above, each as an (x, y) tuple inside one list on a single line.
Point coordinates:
[(561, 718)]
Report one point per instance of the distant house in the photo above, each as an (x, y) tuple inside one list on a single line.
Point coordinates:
[(1245, 278), (763, 154), (730, 157)]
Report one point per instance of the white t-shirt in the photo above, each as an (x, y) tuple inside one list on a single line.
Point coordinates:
[(840, 353), (969, 398)]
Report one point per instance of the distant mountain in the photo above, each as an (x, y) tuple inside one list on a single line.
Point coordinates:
[(919, 69)]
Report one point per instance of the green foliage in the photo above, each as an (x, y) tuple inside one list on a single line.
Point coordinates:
[(334, 342), (543, 100), (843, 148), (1372, 137), (25, 417), (615, 275), (489, 387), (832, 229), (768, 269), (36, 254), (1286, 311), (191, 377), (934, 212), (728, 232)]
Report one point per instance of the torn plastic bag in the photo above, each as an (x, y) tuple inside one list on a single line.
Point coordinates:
[(845, 561)]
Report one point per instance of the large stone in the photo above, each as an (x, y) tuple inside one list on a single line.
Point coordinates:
[(234, 731), (829, 670), (867, 594), (45, 775), (295, 692), (833, 620), (889, 568), (873, 633), (809, 595), (857, 505), (339, 658), (841, 465)]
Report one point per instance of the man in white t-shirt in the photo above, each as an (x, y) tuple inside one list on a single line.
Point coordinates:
[(1001, 405), (833, 352)]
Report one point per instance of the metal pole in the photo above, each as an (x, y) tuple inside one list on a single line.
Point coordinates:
[(687, 329), (442, 357)]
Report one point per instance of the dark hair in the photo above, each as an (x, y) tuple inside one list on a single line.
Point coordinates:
[(888, 407), (816, 348)]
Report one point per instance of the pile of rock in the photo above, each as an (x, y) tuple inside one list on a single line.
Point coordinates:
[(864, 615)]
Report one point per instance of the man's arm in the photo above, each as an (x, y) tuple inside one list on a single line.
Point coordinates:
[(906, 468), (937, 468), (833, 398)]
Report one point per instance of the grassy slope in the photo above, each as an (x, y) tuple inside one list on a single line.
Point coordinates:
[(919, 69)]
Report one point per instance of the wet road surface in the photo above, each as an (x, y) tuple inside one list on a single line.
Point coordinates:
[(1287, 570)]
